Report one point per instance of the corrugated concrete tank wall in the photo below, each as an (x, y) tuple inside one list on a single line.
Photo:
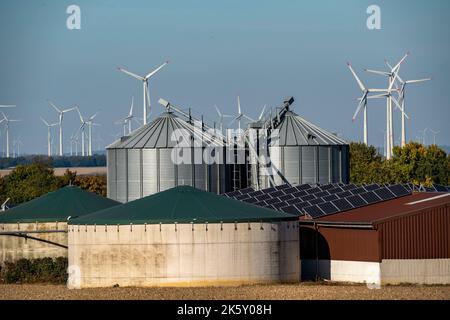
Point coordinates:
[(304, 153), (37, 245), (140, 164), (183, 254)]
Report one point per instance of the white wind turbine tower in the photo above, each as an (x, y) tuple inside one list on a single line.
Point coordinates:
[(61, 113), (392, 75), (434, 135), (402, 101), (7, 121), (146, 94), (363, 102), (49, 136), (90, 122), (221, 117)]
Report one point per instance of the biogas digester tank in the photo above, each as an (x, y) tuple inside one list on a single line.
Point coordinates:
[(183, 237)]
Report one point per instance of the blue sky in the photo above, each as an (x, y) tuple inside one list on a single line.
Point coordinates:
[(262, 50)]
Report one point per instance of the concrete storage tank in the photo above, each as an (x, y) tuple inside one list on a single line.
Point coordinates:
[(140, 164), (38, 228), (183, 237), (304, 153)]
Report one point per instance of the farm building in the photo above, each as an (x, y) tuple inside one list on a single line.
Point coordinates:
[(403, 240), (38, 228), (183, 236)]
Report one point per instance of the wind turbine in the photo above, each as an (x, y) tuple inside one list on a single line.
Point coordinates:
[(392, 74), (424, 134), (221, 117), (127, 120), (49, 136), (434, 135), (7, 121), (146, 95), (61, 113), (363, 101), (82, 128), (16, 147), (402, 99), (240, 115)]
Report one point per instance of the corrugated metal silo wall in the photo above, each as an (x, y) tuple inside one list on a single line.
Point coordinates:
[(339, 244), (136, 173), (149, 171), (111, 187), (345, 151), (310, 164), (425, 235), (121, 175)]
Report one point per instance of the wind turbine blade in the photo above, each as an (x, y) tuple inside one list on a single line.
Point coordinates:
[(70, 109), (131, 74), (7, 106), (399, 107), (218, 111), (239, 105), (148, 76), (81, 117), (93, 116), (262, 113), (131, 108), (378, 96), (388, 64), (248, 118), (46, 123), (360, 84), (55, 107), (377, 72), (400, 62), (360, 104), (418, 80)]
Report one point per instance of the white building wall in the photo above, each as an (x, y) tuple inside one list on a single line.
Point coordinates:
[(191, 255), (420, 271), (13, 248)]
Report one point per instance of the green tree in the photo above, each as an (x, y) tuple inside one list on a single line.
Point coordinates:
[(27, 182)]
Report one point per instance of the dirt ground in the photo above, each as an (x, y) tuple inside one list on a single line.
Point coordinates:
[(304, 291)]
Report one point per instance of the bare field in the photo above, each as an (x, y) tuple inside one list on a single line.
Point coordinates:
[(304, 291), (81, 171)]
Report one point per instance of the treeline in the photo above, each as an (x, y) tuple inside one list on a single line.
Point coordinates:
[(413, 163), (27, 182), (97, 160)]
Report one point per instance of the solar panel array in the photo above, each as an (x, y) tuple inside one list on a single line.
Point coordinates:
[(319, 200)]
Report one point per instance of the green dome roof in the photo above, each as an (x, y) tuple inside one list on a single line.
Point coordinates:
[(182, 204), (58, 205)]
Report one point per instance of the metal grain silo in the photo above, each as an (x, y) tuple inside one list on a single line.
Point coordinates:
[(304, 153), (141, 164)]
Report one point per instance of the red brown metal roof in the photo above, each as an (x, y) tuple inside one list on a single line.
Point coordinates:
[(392, 208)]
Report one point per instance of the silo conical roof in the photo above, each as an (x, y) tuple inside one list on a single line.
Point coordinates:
[(58, 205), (183, 204), (295, 131), (159, 133)]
